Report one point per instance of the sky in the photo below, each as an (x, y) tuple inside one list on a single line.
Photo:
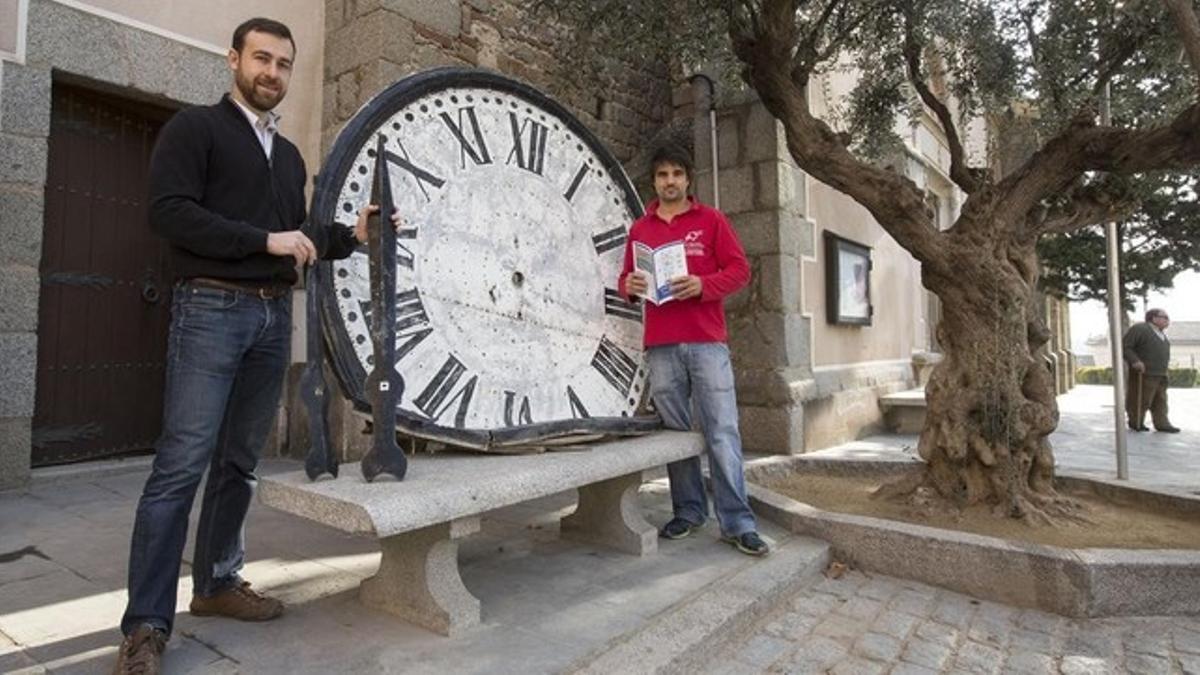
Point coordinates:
[(1181, 302)]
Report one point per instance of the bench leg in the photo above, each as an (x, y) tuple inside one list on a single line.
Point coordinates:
[(418, 578), (609, 515)]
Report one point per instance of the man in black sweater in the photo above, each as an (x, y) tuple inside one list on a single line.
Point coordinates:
[(227, 192)]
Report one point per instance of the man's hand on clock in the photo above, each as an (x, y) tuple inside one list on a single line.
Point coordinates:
[(294, 243), (360, 227), (685, 287)]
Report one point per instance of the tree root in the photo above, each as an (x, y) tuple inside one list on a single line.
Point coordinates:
[(1036, 509)]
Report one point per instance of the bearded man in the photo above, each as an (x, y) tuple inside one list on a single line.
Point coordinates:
[(227, 193)]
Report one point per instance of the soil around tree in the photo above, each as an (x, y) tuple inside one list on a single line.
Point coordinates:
[(1113, 523)]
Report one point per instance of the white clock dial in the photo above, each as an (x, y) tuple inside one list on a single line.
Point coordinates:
[(515, 219)]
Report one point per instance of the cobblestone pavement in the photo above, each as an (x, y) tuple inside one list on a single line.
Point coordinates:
[(866, 623)]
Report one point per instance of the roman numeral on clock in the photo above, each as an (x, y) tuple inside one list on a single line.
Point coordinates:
[(423, 177), (579, 176), (404, 255), (439, 394), (523, 414), (619, 307), (529, 144), (618, 368), (473, 147), (609, 239), (577, 409), (412, 323)]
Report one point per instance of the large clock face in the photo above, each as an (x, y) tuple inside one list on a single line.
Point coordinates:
[(514, 224)]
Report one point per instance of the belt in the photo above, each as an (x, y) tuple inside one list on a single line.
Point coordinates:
[(264, 291)]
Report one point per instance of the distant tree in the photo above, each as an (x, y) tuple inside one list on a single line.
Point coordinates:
[(991, 402)]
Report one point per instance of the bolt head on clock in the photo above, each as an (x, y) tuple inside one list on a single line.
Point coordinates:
[(514, 223)]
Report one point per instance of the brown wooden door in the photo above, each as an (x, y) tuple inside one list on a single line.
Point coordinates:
[(105, 297)]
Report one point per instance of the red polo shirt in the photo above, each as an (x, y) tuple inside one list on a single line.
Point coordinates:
[(713, 253)]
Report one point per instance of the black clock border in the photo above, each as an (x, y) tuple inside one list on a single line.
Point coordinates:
[(358, 131)]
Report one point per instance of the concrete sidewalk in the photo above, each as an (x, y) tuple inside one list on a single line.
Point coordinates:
[(1084, 443), (548, 605)]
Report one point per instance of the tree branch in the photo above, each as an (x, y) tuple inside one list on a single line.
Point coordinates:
[(1083, 147), (893, 200), (1092, 209), (959, 172), (1189, 31)]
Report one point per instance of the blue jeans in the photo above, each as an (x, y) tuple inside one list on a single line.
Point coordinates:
[(227, 355), (700, 373)]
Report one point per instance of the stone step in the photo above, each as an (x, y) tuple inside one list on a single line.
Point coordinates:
[(684, 636), (904, 411)]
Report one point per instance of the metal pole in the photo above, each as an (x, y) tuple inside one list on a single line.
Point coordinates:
[(1114, 325), (712, 131)]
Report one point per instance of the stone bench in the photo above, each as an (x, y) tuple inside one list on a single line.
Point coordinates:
[(419, 520), (904, 411)]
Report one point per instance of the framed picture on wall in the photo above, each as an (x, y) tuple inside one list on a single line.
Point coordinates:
[(847, 281)]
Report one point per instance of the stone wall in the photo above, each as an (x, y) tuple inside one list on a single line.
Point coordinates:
[(113, 56), (370, 44), (765, 196)]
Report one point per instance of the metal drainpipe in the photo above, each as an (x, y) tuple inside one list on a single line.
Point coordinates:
[(712, 130)]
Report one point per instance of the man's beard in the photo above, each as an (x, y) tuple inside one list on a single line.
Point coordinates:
[(260, 101)]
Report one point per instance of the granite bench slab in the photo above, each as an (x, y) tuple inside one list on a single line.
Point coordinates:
[(419, 520)]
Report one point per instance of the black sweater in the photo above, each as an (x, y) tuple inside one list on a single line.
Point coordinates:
[(214, 197)]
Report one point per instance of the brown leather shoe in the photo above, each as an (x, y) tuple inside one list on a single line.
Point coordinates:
[(141, 652), (238, 602)]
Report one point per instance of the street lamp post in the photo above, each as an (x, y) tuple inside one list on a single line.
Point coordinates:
[(1114, 323)]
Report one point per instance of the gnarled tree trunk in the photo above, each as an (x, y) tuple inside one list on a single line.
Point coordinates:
[(990, 403)]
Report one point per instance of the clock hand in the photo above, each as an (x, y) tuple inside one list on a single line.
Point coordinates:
[(314, 391), (384, 385)]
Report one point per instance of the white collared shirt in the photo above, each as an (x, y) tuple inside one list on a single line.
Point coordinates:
[(264, 126), (1158, 331)]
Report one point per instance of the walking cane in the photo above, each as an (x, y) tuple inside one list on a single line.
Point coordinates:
[(1141, 414)]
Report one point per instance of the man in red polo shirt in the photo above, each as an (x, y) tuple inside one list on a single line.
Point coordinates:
[(686, 351)]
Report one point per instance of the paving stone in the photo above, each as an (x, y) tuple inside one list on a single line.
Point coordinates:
[(938, 632), (815, 604), (1085, 665), (912, 669), (1090, 639), (896, 624), (1030, 640), (925, 653), (995, 633), (974, 657), (880, 588), (1043, 622), (913, 602), (763, 650), (843, 587), (840, 628), (1186, 641), (991, 611), (955, 610), (731, 667), (1028, 663), (863, 609), (814, 656), (1151, 643), (1146, 664), (792, 625), (1189, 664), (856, 666), (878, 647)]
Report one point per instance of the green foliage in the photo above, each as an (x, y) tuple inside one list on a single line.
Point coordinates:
[(1180, 378), (1159, 241)]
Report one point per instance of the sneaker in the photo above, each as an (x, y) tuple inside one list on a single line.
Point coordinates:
[(238, 602), (141, 652), (677, 528), (749, 543)]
